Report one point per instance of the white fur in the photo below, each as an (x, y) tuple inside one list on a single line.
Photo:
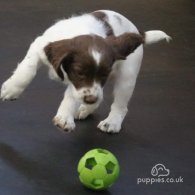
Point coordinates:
[(65, 114), (71, 106), (96, 56), (154, 36)]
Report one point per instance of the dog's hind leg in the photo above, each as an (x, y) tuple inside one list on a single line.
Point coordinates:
[(123, 89), (24, 73)]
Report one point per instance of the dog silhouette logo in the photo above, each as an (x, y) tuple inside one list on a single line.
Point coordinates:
[(160, 170)]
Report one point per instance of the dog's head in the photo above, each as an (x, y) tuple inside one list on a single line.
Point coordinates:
[(87, 60)]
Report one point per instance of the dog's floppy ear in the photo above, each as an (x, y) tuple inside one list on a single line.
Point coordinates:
[(124, 44), (59, 54)]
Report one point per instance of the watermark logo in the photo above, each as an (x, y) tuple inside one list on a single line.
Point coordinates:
[(160, 175), (160, 170)]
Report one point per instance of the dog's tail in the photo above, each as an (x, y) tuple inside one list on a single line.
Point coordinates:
[(154, 36)]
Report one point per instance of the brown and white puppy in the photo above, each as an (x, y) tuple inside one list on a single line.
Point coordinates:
[(82, 52)]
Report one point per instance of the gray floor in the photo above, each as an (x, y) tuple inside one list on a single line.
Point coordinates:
[(36, 158)]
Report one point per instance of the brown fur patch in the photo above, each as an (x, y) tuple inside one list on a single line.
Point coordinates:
[(104, 19), (73, 55), (125, 44), (56, 52)]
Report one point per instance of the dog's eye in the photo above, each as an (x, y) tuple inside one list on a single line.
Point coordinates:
[(105, 75), (81, 74), (79, 71)]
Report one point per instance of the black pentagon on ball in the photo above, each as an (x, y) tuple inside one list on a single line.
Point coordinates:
[(110, 167), (102, 151), (90, 163)]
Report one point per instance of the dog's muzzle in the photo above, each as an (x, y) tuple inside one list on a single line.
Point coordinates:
[(90, 99)]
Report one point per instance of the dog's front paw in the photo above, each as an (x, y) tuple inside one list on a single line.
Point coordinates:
[(82, 113), (110, 125), (65, 123), (9, 91)]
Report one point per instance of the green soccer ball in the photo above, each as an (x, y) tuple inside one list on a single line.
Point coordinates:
[(98, 169)]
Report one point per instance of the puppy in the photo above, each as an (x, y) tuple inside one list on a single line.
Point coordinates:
[(82, 52)]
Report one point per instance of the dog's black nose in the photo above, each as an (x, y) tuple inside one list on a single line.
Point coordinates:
[(90, 99)]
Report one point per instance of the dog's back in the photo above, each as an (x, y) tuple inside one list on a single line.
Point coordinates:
[(91, 23)]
